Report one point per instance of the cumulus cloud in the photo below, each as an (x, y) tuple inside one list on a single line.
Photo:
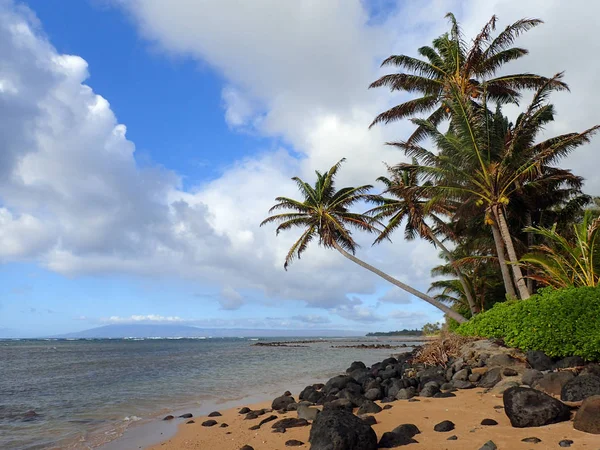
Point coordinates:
[(396, 296)]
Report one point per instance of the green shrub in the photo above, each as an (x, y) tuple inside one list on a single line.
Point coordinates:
[(564, 322)]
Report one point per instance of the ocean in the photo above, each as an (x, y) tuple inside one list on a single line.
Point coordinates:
[(87, 393)]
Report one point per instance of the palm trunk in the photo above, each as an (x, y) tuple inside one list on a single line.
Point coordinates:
[(512, 255), (449, 312), (529, 223), (461, 278), (508, 284)]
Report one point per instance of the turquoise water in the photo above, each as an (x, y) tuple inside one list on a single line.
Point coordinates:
[(88, 392)]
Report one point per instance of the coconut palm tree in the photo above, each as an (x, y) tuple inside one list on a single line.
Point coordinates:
[(452, 62), (408, 204), (487, 160), (324, 215)]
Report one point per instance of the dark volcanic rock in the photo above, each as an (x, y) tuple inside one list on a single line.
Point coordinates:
[(340, 403), (474, 377), (247, 447), (435, 373), (341, 430), (532, 440), (293, 443), (489, 422), (193, 421), (254, 427), (392, 440), (453, 438), (268, 419), (580, 388), (587, 418), (339, 383), (405, 394), (552, 383), (444, 395), (429, 390), (526, 407), (388, 407), (244, 410), (169, 417), (491, 378), (369, 407), (462, 375), (508, 372), (444, 426), (373, 394), (539, 360), (223, 425), (251, 415), (290, 422), (356, 365), (570, 361), (282, 402), (489, 445), (188, 416), (215, 414), (408, 429), (369, 420), (209, 423), (460, 384), (501, 359), (565, 443), (530, 376)]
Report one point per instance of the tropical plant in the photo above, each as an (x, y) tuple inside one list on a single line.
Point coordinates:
[(407, 203), (560, 262), (451, 63), (431, 329), (324, 214), (485, 159)]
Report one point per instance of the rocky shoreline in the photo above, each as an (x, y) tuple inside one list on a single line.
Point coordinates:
[(537, 393)]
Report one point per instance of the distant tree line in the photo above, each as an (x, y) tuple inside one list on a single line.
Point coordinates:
[(404, 332)]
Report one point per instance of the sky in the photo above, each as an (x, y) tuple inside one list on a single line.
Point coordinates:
[(142, 142)]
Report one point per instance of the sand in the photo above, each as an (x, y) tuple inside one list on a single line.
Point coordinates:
[(466, 410)]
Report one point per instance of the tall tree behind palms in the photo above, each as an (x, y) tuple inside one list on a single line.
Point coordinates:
[(409, 204), (471, 68), (324, 215)]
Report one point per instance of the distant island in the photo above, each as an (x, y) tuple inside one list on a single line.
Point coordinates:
[(414, 332)]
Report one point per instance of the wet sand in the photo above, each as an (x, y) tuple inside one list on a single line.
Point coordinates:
[(466, 410)]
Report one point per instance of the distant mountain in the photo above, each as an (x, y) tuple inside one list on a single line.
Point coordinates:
[(171, 331)]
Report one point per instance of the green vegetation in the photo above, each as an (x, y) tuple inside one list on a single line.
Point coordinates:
[(484, 188), (558, 322), (404, 332), (431, 329)]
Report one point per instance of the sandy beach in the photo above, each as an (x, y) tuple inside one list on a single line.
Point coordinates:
[(466, 410)]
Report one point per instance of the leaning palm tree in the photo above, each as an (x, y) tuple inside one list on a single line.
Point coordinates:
[(324, 214), (485, 159), (471, 67), (560, 262), (407, 203)]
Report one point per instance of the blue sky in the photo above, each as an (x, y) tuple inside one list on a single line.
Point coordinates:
[(143, 205)]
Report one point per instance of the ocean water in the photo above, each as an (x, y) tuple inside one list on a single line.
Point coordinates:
[(88, 392)]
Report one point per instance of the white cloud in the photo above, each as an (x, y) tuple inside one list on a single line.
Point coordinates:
[(396, 296), (230, 299), (311, 319)]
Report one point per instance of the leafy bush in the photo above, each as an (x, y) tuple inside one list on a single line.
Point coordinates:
[(564, 322)]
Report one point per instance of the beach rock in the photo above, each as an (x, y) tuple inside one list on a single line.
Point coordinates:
[(268, 419), (444, 426), (356, 365), (282, 402), (474, 377), (435, 373), (453, 438), (395, 386), (410, 400), (408, 429), (307, 412), (292, 407), (369, 420), (526, 407), (462, 375), (388, 400), (223, 425), (447, 394), (446, 387), (369, 407), (340, 403), (393, 440), (215, 414), (290, 422), (491, 378), (489, 422), (502, 360), (254, 427), (530, 376), (169, 417), (209, 423), (461, 384), (279, 430), (306, 392), (489, 445), (539, 360), (532, 440), (373, 394), (580, 388), (339, 383), (341, 430), (188, 416), (251, 415), (247, 447), (244, 410), (192, 421), (552, 383), (429, 390), (388, 407), (508, 372), (361, 375), (293, 443), (570, 361), (500, 388), (587, 418), (565, 443), (316, 397)]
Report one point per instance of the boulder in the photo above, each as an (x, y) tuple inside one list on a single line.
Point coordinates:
[(530, 376), (340, 382), (526, 407), (356, 365), (435, 373), (268, 419), (430, 389), (565, 443), (209, 423), (188, 416), (307, 412), (169, 417), (570, 361), (539, 360), (491, 378), (580, 388), (244, 410), (405, 394), (369, 420), (531, 440), (444, 426), (587, 418), (290, 422), (509, 372), (223, 425), (247, 447), (373, 394), (461, 384), (502, 360), (489, 422), (293, 443), (340, 403), (447, 394), (553, 382), (474, 377), (500, 388), (489, 445), (462, 375), (308, 390), (393, 440), (341, 430), (361, 375), (369, 407), (215, 414)]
